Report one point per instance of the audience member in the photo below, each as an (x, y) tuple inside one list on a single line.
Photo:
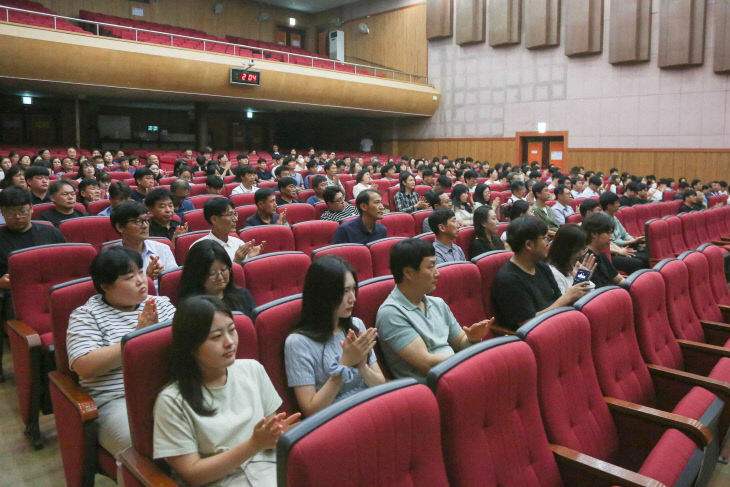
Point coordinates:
[(598, 228), (588, 206), (118, 192), (287, 192), (145, 181), (180, 189), (247, 176), (443, 183), (265, 200), (159, 204), (329, 355), (524, 286), (462, 207), (89, 191), (631, 254), (482, 195), (222, 217), (365, 228), (63, 195), (690, 201), (363, 182), (486, 228), (406, 199), (37, 178), (262, 173), (519, 191), (214, 185), (541, 210), (338, 209), (562, 209), (87, 170), (216, 422), (629, 198), (565, 251), (595, 184), (330, 170), (319, 185), (446, 229), (418, 331)]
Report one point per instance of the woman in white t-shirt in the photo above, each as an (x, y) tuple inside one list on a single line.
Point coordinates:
[(363, 182), (216, 422), (566, 248)]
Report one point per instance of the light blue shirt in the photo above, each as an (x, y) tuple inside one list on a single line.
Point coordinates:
[(448, 254)]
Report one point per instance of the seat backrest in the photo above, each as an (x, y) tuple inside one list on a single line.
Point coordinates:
[(199, 201), (418, 217), (619, 365), (312, 235), (491, 429), (319, 209), (392, 190), (463, 240), (169, 282), (244, 212), (657, 342), (40, 208), (572, 405), (97, 206), (274, 321), (657, 238), (36, 270), (701, 222), (428, 237), (689, 230), (399, 224), (676, 235), (401, 413), (184, 241), (370, 295), (94, 230), (242, 199), (273, 276), (357, 255), (144, 354), (700, 289), (63, 299), (627, 216), (459, 285), (718, 280), (488, 264), (196, 220), (278, 238), (644, 213), (297, 212), (380, 254), (682, 317)]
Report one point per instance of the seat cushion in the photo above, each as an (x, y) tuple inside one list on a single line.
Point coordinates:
[(721, 371), (674, 460), (696, 404), (46, 339)]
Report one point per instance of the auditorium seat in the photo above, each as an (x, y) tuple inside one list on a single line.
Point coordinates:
[(199, 200), (707, 310), (311, 235), (242, 199), (357, 255), (463, 240), (89, 229), (427, 236), (399, 224), (195, 220), (628, 218), (168, 283), (278, 238), (380, 254), (397, 427), (491, 430), (184, 241), (577, 415), (418, 217), (658, 241), (297, 212), (243, 213), (676, 235), (274, 321), (144, 378), (575, 218), (319, 209), (43, 207), (30, 334), (488, 264), (276, 275), (459, 285), (95, 207), (718, 280)]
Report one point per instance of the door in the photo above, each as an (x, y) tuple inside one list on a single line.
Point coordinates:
[(556, 153), (534, 152)]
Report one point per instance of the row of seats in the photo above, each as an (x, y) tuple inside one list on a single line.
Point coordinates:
[(630, 403), (46, 21), (671, 235)]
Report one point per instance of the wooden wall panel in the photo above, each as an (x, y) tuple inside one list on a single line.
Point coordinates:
[(471, 25), (397, 40), (681, 33), (542, 23), (492, 150), (583, 27), (722, 37), (504, 22), (439, 18), (630, 31)]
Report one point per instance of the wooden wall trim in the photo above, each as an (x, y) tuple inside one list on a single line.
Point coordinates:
[(470, 139), (600, 149)]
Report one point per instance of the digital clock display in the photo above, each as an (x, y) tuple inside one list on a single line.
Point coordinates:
[(243, 77)]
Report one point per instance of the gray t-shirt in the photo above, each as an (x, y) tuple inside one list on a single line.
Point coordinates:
[(308, 362), (399, 322)]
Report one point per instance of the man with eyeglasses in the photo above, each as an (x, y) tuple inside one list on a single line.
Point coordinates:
[(338, 209), (222, 216), (131, 221), (63, 195)]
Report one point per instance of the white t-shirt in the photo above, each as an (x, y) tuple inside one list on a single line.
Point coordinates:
[(230, 246), (359, 187), (241, 189), (366, 144), (246, 398)]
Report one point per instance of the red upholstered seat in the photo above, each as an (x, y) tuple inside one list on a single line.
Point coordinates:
[(276, 275), (466, 235), (95, 207), (278, 238), (676, 235), (428, 237), (311, 235), (418, 217), (370, 295), (243, 213), (575, 218), (94, 230), (274, 321), (319, 209), (199, 201), (38, 210), (577, 416), (658, 241), (380, 254), (459, 285), (689, 230), (644, 213), (399, 224), (718, 281), (297, 213), (195, 220), (700, 289), (184, 241), (242, 199), (488, 264), (357, 255), (627, 216), (397, 427)]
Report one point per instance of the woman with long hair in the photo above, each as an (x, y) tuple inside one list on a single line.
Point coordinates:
[(406, 199), (566, 248), (208, 271), (463, 210), (482, 195), (485, 232), (87, 170), (216, 422), (15, 176), (329, 355)]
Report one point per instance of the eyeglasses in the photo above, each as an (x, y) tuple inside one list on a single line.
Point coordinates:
[(141, 221), (17, 213), (232, 215), (213, 275)]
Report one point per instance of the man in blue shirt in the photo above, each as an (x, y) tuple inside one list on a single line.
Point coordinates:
[(265, 200), (444, 225), (180, 189), (365, 228), (318, 184)]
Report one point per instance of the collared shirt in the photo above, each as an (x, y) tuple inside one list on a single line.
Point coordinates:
[(399, 322), (333, 182), (157, 230), (157, 249), (448, 254), (348, 212), (619, 236), (185, 205), (255, 220), (313, 200), (355, 232), (589, 193), (231, 245), (512, 199), (241, 189), (406, 202), (562, 213), (545, 213), (38, 201)]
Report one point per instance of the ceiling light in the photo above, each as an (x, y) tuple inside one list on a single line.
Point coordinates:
[(27, 100)]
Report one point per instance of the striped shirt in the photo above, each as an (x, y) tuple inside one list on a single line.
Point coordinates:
[(96, 324), (349, 212)]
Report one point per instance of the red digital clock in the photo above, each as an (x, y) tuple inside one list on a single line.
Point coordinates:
[(241, 76)]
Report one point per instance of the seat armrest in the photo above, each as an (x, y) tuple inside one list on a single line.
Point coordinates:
[(698, 432), (705, 348), (725, 310), (498, 330), (144, 470), (20, 328), (603, 472), (75, 394), (715, 325), (717, 387)]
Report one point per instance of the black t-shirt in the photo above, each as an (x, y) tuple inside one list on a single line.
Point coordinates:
[(38, 201), (56, 217), (240, 300), (157, 230), (282, 202), (626, 201), (37, 235), (517, 296), (479, 246), (137, 196), (605, 272)]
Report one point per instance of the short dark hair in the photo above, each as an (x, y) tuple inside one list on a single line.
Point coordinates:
[(587, 205), (595, 180), (14, 196), (242, 169), (111, 263), (607, 198), (34, 171), (434, 197), (409, 253), (689, 192), (262, 194), (631, 186), (560, 189), (330, 193), (214, 181), (516, 185), (156, 195), (56, 186), (518, 209), (316, 180), (538, 187), (469, 174), (284, 182), (216, 207), (142, 172), (439, 217), (119, 188), (125, 211), (278, 169), (524, 229), (364, 197), (444, 182), (86, 183), (597, 223), (361, 175)]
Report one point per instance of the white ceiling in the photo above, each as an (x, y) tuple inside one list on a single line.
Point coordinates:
[(308, 6)]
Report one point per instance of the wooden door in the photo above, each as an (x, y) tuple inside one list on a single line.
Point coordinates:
[(557, 155), (534, 152)]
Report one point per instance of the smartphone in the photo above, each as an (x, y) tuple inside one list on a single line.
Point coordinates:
[(581, 276)]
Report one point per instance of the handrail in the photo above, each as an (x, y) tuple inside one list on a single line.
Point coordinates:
[(363, 67)]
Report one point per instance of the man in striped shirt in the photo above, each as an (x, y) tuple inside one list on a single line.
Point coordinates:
[(338, 209), (95, 332)]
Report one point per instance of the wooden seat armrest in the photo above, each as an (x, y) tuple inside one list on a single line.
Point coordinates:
[(75, 394), (716, 325), (704, 348), (717, 387), (698, 432), (725, 310), (498, 330), (144, 469), (21, 329), (604, 472), (720, 242)]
